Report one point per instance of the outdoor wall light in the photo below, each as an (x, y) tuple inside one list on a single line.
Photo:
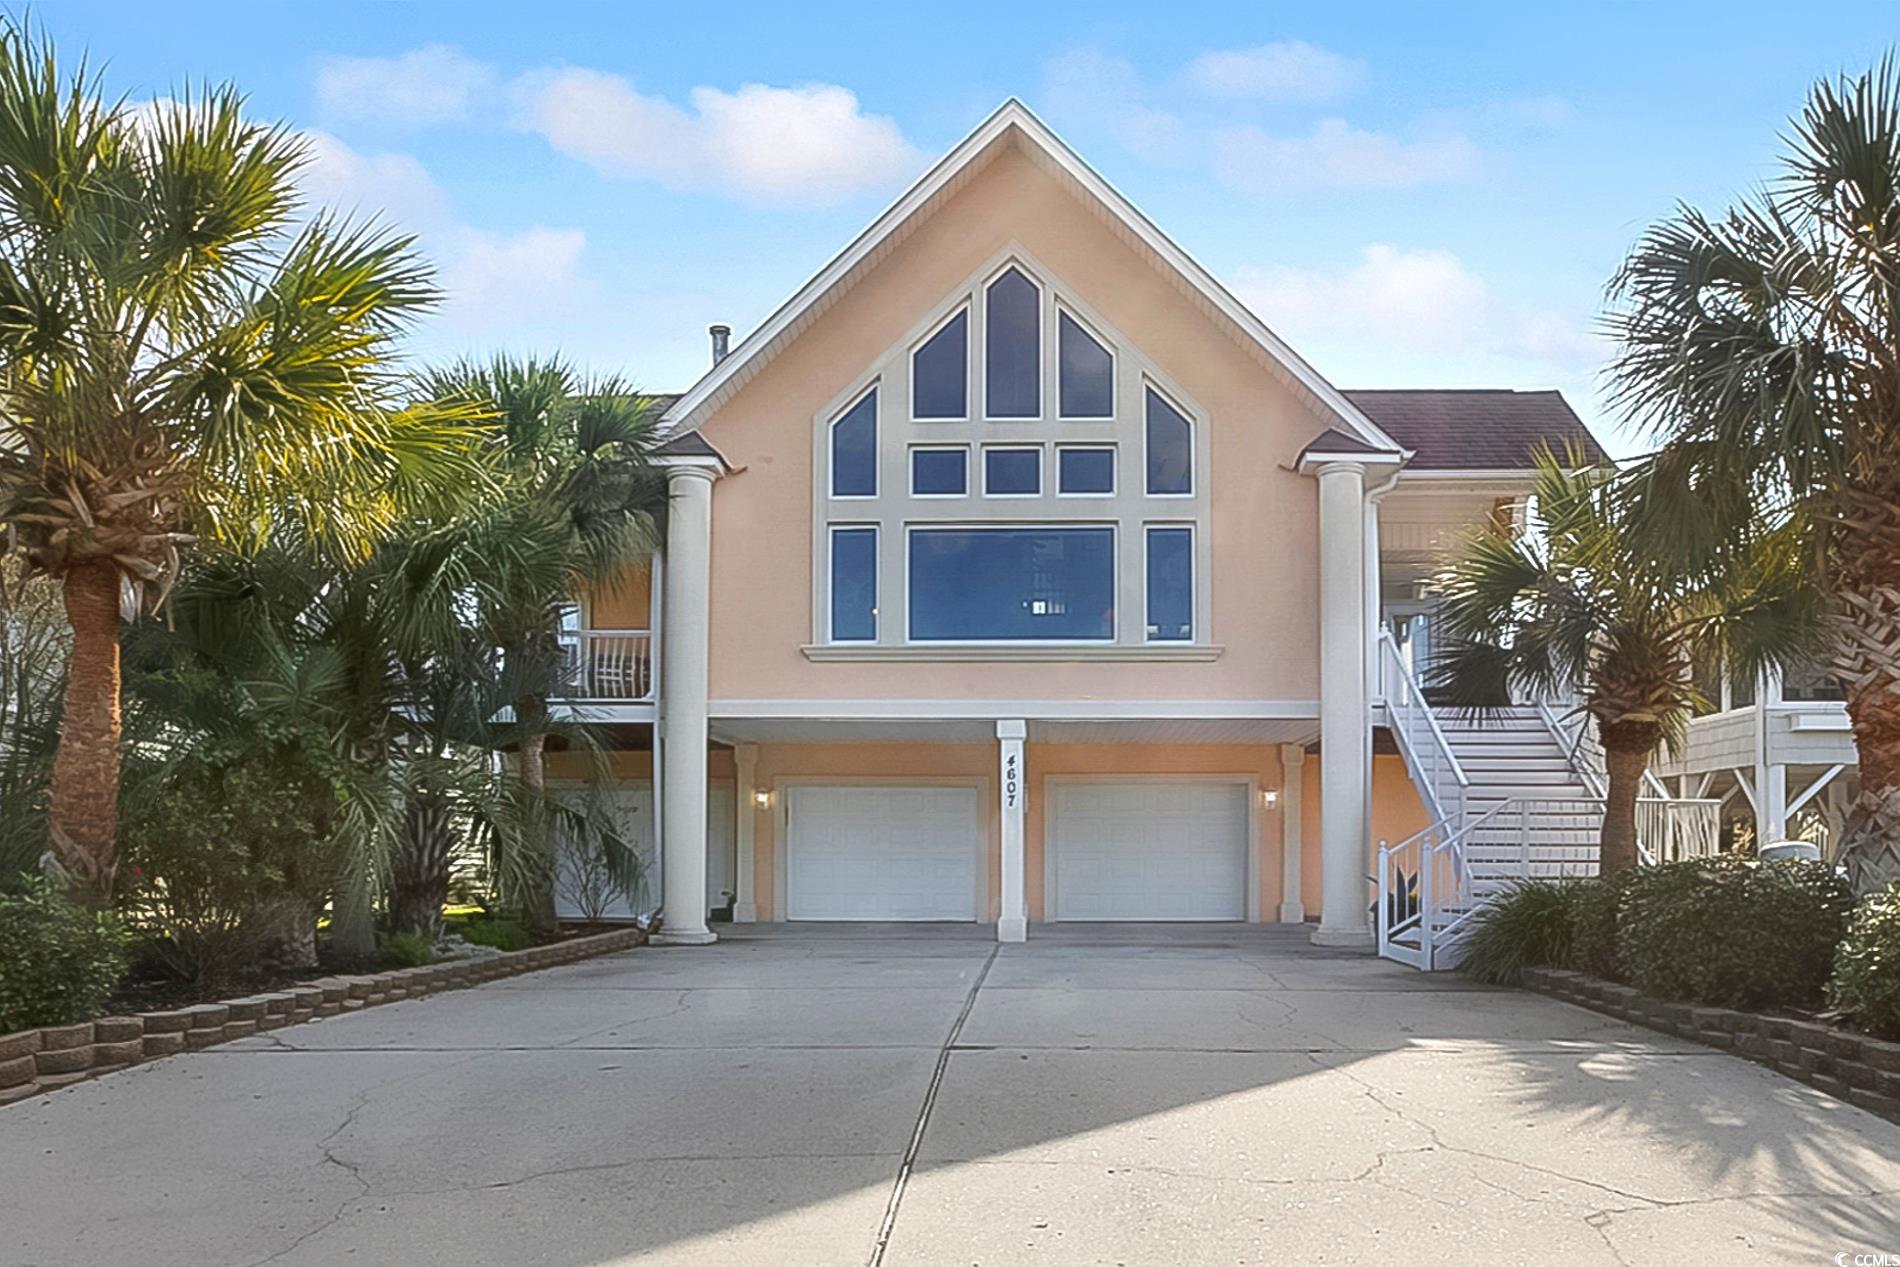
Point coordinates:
[(1270, 797), (762, 798)]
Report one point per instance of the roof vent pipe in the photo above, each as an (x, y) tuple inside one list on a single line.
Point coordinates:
[(721, 342)]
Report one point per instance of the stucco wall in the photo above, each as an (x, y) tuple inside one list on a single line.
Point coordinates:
[(1264, 526)]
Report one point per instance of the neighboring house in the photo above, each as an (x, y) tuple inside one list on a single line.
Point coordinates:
[(1017, 573)]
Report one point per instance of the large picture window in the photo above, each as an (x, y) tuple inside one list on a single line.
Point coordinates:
[(1023, 584)]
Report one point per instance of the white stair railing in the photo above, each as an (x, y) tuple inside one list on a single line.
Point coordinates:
[(1441, 779)]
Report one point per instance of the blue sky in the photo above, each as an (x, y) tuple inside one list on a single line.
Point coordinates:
[(1412, 194)]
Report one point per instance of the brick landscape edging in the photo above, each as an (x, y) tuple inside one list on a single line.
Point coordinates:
[(1853, 1067), (36, 1060)]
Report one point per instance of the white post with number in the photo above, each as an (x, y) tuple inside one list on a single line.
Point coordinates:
[(1012, 923)]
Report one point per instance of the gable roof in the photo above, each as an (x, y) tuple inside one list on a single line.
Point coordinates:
[(1476, 429), (1012, 125)]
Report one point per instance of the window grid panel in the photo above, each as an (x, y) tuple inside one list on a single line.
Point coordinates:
[(1085, 373), (854, 449), (1085, 471), (1012, 347), (940, 472), (1170, 584), (854, 584), (1012, 471), (940, 374)]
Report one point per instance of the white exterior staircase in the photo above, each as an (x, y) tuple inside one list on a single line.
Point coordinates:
[(1514, 793)]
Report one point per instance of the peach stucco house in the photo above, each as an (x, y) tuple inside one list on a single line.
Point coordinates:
[(1017, 573)]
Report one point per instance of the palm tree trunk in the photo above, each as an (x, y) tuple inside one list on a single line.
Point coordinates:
[(1865, 623), (419, 881), (1626, 749), (83, 816), (537, 898)]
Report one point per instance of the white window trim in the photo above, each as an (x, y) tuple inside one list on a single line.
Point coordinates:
[(982, 356), (1194, 583), (831, 574), (877, 448), (969, 354), (1014, 447), (1114, 570), (1066, 309), (1091, 446), (910, 461), (1148, 384)]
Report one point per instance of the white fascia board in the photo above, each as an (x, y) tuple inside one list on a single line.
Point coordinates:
[(1037, 710), (761, 343)]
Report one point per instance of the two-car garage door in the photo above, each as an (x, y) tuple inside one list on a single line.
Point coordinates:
[(1148, 850), (1120, 850)]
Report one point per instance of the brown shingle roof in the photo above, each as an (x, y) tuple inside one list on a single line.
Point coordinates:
[(1476, 429)]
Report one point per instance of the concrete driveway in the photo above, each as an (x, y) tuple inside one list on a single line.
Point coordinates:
[(822, 1095)]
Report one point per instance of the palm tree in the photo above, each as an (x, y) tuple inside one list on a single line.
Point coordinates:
[(1764, 342), (580, 502), (183, 358), (1580, 604)]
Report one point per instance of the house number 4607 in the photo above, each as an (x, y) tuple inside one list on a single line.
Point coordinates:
[(1011, 780)]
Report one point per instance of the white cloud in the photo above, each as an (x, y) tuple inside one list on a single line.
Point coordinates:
[(490, 280), (1338, 154), (810, 145), (436, 84), (1424, 302), (1091, 87), (1287, 70)]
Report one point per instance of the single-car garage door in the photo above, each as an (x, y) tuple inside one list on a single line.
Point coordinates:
[(1148, 850), (882, 851)]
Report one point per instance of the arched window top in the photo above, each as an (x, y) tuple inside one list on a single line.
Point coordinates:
[(1012, 347), (854, 449)]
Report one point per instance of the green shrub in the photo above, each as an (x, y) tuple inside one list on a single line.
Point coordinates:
[(59, 963), (502, 934), (1592, 905), (1525, 926), (405, 950), (1730, 933), (1866, 981)]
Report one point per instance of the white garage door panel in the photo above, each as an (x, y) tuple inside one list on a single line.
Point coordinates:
[(1149, 851), (881, 853)]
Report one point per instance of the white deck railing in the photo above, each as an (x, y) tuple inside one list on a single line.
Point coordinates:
[(613, 664)]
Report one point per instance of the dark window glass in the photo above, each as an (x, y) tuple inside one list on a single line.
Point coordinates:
[(1013, 348), (1086, 470), (939, 472), (1170, 448), (854, 585), (1087, 384), (854, 450), (1012, 472), (1170, 585), (940, 382), (1009, 584)]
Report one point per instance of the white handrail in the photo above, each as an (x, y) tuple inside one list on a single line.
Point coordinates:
[(1404, 706)]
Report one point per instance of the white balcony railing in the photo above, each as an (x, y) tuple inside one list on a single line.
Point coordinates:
[(612, 664)]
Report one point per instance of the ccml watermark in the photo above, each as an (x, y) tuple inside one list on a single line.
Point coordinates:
[(1867, 1258)]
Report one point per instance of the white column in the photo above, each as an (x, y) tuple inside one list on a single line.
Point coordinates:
[(1012, 923), (1771, 776), (1344, 754), (745, 908), (1292, 779), (683, 706)]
